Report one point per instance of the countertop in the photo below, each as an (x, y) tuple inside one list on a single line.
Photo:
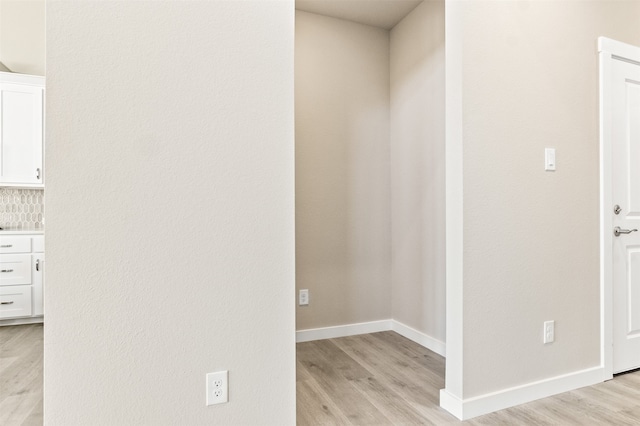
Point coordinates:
[(23, 231)]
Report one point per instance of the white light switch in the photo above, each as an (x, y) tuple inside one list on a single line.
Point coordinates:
[(549, 159)]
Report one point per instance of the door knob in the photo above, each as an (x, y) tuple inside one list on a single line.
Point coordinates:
[(617, 231)]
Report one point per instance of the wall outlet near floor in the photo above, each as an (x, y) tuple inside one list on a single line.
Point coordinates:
[(218, 387), (303, 297), (549, 331)]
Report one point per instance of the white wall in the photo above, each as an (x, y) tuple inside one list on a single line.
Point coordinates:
[(22, 35), (170, 212), (342, 171), (417, 170), (528, 75)]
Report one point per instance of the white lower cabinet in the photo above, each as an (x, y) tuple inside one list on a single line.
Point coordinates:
[(37, 283), (21, 278), (15, 269), (15, 301)]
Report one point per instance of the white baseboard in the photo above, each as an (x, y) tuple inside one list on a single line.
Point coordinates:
[(342, 330), (22, 321), (484, 404), (452, 404), (419, 337)]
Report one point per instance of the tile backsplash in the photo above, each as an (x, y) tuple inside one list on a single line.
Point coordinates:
[(21, 208)]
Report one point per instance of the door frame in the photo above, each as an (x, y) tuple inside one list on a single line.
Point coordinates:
[(608, 50)]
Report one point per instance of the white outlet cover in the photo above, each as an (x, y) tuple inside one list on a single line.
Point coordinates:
[(218, 387), (549, 332), (303, 298)]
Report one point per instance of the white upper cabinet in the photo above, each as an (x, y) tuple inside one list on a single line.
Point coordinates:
[(21, 130)]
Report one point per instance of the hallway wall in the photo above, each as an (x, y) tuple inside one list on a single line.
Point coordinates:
[(180, 114), (528, 79), (417, 170), (342, 171)]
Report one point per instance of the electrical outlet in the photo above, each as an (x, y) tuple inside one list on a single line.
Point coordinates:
[(549, 331), (218, 387), (303, 297)]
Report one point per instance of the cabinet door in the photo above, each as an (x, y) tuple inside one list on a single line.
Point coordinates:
[(21, 134), (38, 284)]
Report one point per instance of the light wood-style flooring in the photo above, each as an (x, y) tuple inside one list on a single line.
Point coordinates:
[(21, 355), (372, 379), (386, 379)]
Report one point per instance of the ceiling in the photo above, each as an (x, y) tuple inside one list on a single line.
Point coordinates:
[(378, 13)]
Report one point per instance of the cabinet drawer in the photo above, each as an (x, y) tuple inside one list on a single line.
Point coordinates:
[(15, 269), (15, 244), (15, 301)]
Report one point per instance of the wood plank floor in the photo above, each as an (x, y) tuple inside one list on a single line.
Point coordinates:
[(21, 355), (372, 379), (385, 379)]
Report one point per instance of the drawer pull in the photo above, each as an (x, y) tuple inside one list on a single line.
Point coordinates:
[(6, 246), (38, 174), (6, 303), (7, 270)]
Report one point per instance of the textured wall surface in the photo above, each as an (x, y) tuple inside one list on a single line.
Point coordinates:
[(417, 170), (168, 110), (342, 171)]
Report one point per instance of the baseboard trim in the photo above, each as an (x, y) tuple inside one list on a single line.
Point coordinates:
[(342, 330), (419, 337), (484, 404), (452, 404), (22, 321)]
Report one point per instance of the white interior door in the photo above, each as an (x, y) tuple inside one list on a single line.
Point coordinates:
[(625, 133)]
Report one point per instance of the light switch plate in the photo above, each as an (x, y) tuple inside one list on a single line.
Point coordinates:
[(549, 159)]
